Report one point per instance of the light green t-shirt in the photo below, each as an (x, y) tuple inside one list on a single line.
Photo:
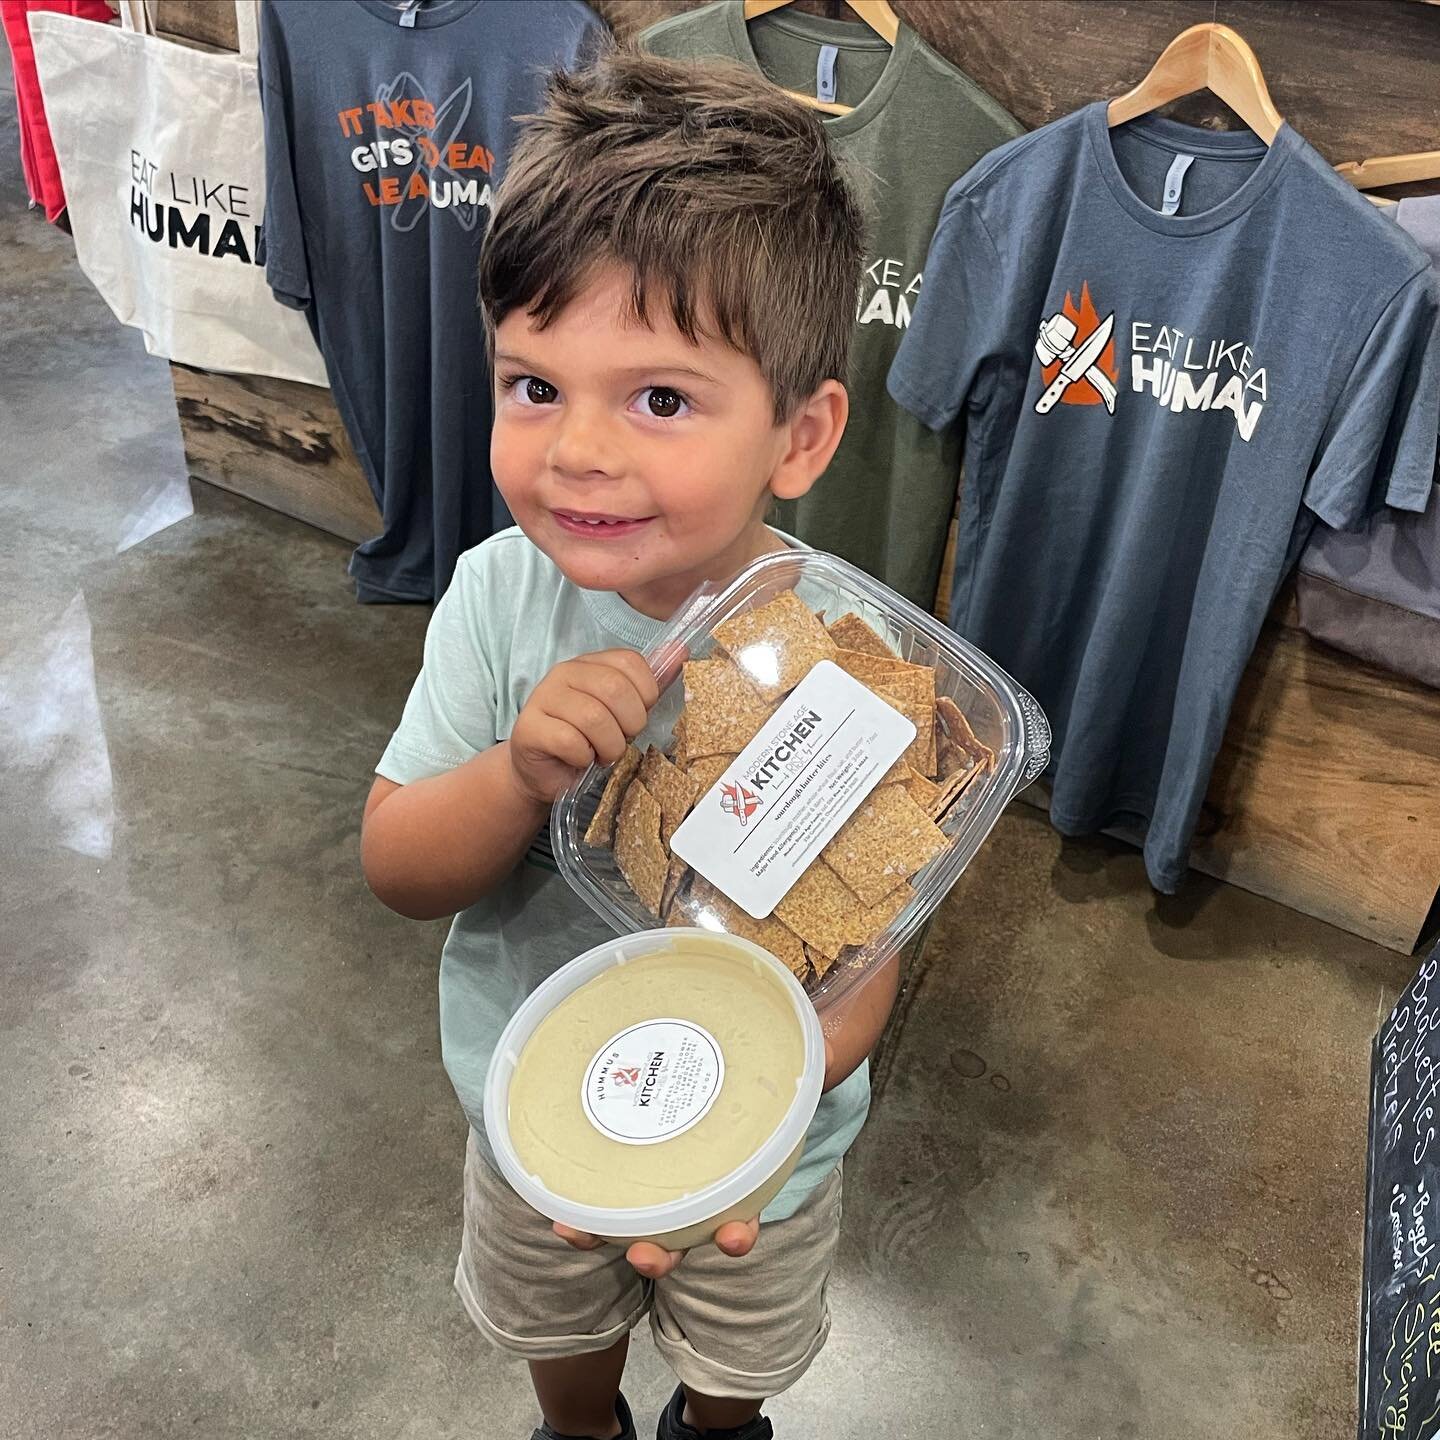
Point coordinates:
[(507, 619), (917, 126)]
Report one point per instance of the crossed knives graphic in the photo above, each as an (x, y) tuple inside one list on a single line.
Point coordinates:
[(1056, 341), (450, 117)]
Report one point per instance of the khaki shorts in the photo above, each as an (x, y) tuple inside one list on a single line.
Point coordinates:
[(746, 1327)]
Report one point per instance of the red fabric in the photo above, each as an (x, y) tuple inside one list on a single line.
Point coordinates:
[(37, 155)]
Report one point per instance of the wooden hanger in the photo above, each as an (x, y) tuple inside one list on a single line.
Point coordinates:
[(1205, 57), (877, 14), (1384, 170)]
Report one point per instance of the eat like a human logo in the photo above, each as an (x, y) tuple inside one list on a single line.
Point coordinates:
[(1181, 371)]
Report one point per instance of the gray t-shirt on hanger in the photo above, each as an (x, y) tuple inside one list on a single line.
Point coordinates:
[(1375, 592), (1273, 357), (918, 123), (384, 142)]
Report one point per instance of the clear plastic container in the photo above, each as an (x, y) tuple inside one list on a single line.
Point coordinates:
[(1003, 717), (693, 1219)]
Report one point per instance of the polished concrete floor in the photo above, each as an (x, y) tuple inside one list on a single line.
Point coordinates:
[(1111, 1185)]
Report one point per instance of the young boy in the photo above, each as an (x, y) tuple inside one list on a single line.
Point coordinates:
[(669, 283)]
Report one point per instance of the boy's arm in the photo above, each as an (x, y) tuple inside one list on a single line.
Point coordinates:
[(434, 847), (854, 1028)]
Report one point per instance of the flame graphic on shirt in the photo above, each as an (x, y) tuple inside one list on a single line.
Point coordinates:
[(1086, 318)]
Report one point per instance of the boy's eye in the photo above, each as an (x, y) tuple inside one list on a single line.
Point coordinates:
[(664, 403), (530, 389)]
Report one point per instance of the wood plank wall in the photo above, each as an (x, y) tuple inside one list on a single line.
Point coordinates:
[(1327, 794)]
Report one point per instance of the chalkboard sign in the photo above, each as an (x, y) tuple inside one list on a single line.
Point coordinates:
[(1400, 1319)]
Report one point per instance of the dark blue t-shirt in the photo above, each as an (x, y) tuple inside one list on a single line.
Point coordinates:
[(1269, 355), (384, 141)]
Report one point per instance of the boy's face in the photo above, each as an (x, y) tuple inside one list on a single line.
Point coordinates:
[(637, 461)]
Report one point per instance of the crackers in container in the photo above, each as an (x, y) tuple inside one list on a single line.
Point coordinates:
[(859, 884)]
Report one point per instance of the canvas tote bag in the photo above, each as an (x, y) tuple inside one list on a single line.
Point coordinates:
[(162, 157)]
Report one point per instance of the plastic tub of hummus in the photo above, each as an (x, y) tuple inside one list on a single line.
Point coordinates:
[(657, 1087)]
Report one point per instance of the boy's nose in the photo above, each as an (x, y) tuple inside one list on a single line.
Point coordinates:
[(585, 444)]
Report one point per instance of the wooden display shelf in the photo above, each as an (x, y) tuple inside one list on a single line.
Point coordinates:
[(1326, 795), (275, 442)]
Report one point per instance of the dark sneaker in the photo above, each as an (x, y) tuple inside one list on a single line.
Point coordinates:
[(673, 1427), (622, 1414)]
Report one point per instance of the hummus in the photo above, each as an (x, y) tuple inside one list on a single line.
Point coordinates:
[(658, 1077)]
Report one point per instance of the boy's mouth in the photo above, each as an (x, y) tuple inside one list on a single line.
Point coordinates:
[(598, 527)]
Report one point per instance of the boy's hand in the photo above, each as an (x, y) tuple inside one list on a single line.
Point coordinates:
[(735, 1238), (584, 710)]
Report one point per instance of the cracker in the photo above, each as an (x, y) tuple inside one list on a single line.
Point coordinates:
[(671, 787), (815, 908), (958, 740), (850, 632), (638, 851), (914, 696), (678, 754), (950, 717), (949, 757), (824, 912), (720, 913), (910, 689), (601, 830), (683, 910), (722, 710), (885, 841), (674, 879), (866, 924), (704, 773), (819, 908), (954, 787), (877, 669), (820, 963), (897, 774), (777, 645), (922, 791)]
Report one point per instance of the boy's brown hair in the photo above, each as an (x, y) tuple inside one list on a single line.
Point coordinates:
[(714, 189)]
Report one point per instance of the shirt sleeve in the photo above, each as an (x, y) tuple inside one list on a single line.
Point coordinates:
[(1379, 443), (450, 716), (956, 322), (287, 270)]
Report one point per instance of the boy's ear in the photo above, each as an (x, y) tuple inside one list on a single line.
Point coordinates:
[(813, 432)]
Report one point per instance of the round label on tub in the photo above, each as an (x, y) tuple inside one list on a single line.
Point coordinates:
[(653, 1081)]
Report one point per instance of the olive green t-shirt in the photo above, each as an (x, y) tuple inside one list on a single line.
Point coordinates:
[(917, 125)]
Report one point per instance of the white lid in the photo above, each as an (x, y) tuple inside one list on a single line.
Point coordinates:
[(713, 1199)]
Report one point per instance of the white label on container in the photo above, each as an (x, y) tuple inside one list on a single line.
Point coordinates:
[(764, 822), (653, 1081)]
